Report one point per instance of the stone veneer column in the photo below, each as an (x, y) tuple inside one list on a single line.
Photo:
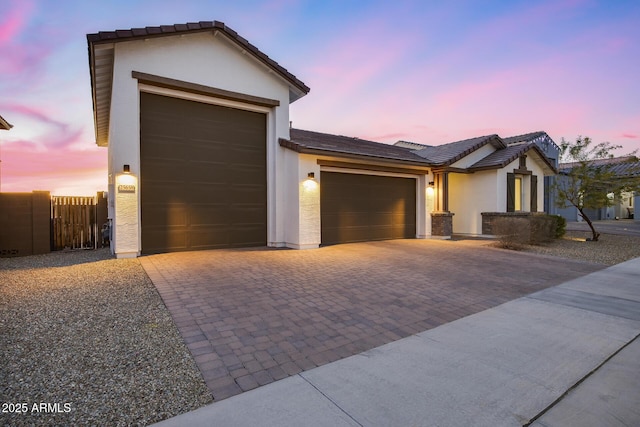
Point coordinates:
[(441, 218), (442, 224)]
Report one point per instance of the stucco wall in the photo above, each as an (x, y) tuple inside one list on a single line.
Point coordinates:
[(474, 157), (469, 196), (486, 191), (204, 59), (534, 166)]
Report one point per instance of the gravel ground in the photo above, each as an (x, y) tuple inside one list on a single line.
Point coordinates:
[(83, 329), (610, 249)]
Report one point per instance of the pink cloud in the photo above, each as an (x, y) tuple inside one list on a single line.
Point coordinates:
[(28, 170), (53, 133), (13, 19), (629, 136)]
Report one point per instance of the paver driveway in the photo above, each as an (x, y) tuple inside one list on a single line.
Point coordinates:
[(253, 316)]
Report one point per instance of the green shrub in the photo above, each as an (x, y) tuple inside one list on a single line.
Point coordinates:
[(561, 226)]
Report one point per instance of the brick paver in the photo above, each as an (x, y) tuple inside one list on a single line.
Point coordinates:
[(254, 316)]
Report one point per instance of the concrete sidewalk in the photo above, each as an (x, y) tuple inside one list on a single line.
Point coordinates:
[(567, 355)]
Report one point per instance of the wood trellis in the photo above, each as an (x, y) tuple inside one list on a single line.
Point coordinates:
[(74, 222)]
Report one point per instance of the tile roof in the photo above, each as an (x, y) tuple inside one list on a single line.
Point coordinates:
[(450, 153), (622, 166), (411, 145), (194, 27), (5, 125), (501, 158), (527, 137), (305, 141)]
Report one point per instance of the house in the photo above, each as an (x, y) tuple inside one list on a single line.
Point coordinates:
[(201, 156), (622, 208), (488, 175)]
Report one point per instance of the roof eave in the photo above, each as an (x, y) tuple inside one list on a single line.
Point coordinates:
[(494, 140), (291, 145)]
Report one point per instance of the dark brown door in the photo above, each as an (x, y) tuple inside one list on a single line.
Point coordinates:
[(203, 175), (357, 208)]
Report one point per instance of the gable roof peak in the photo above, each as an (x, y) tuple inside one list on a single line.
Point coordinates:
[(447, 154)]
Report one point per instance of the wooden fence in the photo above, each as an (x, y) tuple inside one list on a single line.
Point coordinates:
[(37, 223), (76, 221)]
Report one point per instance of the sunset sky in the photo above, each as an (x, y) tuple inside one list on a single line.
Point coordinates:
[(424, 71)]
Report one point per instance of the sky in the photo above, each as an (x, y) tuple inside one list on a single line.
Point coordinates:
[(425, 71)]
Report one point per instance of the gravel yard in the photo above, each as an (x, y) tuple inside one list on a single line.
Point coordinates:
[(83, 329), (89, 331), (610, 249)]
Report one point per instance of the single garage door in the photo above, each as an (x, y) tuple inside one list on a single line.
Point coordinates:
[(357, 208), (203, 175)]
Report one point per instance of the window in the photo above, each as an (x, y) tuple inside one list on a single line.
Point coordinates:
[(520, 186), (517, 200)]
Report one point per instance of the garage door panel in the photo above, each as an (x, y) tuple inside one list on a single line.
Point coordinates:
[(204, 150), (247, 215), (156, 194), (213, 160), (357, 208), (168, 215), (208, 214), (214, 193), (158, 240), (210, 237)]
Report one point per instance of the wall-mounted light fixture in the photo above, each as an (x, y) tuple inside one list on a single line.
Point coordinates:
[(430, 189), (126, 169), (310, 183)]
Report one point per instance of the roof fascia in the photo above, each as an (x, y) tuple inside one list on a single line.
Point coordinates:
[(315, 151), (494, 140)]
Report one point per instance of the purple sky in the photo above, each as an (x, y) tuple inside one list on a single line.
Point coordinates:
[(424, 71)]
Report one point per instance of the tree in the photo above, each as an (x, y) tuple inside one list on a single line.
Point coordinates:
[(591, 174)]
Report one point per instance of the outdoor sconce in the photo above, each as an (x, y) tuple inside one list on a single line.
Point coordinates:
[(126, 169), (430, 189), (310, 183)]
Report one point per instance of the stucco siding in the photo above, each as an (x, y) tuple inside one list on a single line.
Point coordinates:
[(474, 157), (469, 196), (203, 59)]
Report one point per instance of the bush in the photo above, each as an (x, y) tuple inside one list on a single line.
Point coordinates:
[(561, 226), (512, 232)]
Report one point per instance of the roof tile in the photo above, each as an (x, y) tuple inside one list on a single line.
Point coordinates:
[(110, 36), (447, 154), (306, 141)]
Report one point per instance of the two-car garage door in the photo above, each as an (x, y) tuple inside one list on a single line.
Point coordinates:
[(204, 176), (358, 208)]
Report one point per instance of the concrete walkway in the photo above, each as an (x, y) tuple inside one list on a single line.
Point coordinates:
[(564, 356)]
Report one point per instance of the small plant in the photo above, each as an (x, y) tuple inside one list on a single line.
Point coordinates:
[(561, 226)]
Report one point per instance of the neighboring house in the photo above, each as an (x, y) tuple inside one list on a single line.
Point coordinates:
[(201, 156), (623, 208)]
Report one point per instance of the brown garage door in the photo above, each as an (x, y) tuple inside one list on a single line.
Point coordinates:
[(203, 175), (357, 208)]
